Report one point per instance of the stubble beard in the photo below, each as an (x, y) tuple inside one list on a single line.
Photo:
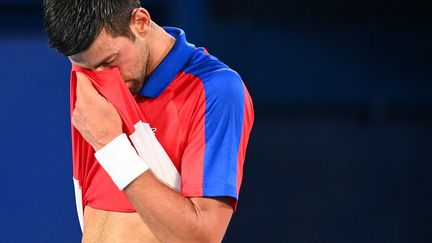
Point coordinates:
[(138, 83)]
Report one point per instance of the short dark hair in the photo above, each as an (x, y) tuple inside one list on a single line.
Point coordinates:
[(73, 25)]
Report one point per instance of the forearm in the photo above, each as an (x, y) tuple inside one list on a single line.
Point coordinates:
[(167, 213), (171, 216)]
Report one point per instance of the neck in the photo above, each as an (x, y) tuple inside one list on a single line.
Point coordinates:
[(160, 44)]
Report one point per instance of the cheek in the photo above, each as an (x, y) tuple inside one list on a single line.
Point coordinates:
[(132, 63), (126, 69)]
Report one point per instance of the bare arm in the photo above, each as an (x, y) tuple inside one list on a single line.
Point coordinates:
[(175, 218)]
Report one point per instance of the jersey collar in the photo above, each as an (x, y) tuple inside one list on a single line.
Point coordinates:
[(173, 63)]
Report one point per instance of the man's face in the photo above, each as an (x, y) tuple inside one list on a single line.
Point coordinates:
[(131, 57)]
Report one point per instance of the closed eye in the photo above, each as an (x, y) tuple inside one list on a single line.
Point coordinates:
[(107, 62), (110, 61)]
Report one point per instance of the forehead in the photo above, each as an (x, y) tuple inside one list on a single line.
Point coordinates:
[(103, 46)]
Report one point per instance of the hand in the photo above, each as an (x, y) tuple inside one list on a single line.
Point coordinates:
[(94, 117)]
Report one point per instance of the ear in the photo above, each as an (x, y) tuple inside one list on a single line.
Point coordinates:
[(140, 22)]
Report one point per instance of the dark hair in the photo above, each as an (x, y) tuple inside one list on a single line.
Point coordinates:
[(73, 25)]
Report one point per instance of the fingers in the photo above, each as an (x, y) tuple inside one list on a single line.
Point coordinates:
[(87, 94), (84, 86)]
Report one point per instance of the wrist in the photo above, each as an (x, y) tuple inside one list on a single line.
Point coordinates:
[(99, 144), (120, 161)]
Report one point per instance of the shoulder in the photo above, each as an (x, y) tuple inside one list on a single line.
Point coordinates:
[(219, 81)]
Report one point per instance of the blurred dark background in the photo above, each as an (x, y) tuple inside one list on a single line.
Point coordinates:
[(341, 147)]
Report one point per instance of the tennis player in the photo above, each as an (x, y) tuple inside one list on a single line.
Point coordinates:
[(198, 107)]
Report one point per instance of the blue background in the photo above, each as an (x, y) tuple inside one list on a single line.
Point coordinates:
[(341, 148)]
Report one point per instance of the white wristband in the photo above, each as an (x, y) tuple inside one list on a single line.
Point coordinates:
[(121, 161)]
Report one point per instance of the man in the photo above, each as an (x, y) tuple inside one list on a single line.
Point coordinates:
[(201, 110)]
